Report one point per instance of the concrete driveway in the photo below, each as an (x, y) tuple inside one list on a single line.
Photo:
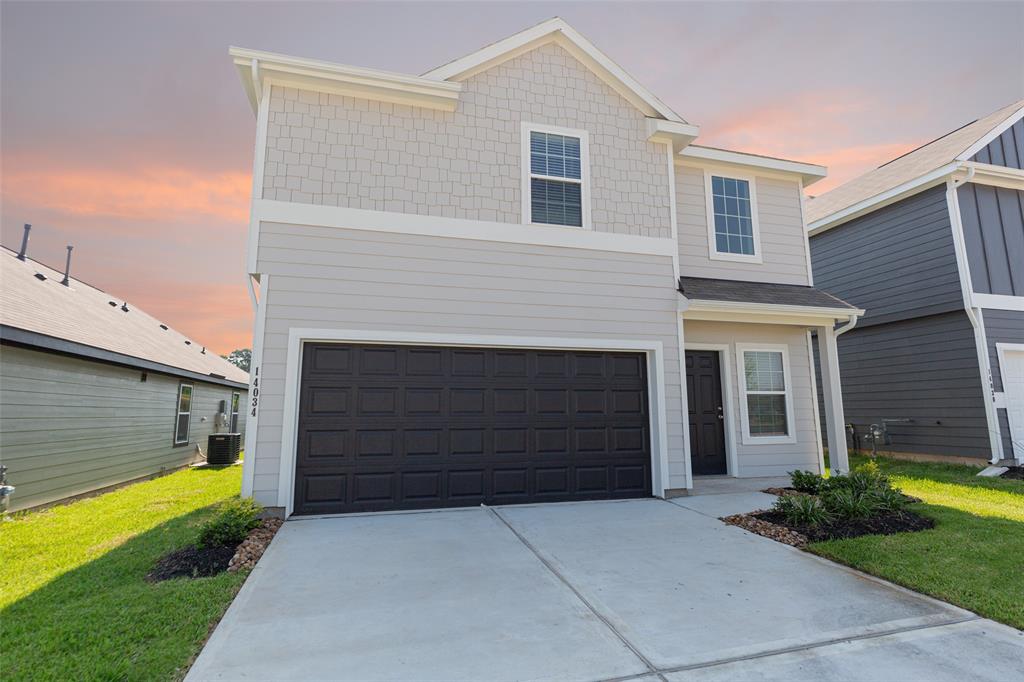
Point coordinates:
[(639, 589)]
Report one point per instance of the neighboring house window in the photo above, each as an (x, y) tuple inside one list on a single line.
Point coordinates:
[(556, 176), (767, 400), (184, 414), (234, 412), (732, 218)]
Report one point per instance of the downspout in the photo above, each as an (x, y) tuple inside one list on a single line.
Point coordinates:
[(850, 324)]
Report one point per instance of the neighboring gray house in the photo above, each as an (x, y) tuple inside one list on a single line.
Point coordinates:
[(94, 392), (515, 279), (932, 245)]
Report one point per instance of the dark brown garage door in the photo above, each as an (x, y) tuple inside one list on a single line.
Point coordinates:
[(415, 427)]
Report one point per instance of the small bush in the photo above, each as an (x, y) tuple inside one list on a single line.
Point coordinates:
[(889, 500), (802, 510), (806, 482), (230, 524), (850, 504)]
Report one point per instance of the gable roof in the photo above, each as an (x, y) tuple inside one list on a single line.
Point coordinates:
[(556, 30), (952, 148), (43, 312)]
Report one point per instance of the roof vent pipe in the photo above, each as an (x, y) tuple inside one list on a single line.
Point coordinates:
[(67, 268), (24, 242)]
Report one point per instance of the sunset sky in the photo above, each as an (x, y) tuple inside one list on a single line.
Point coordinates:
[(124, 129)]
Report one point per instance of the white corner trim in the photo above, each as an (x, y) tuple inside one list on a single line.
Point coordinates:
[(297, 336), (713, 253), (729, 408), (814, 404), (675, 133), (998, 302), (270, 211), (259, 160), (807, 238), (882, 199), (985, 140), (556, 30), (809, 173), (252, 410), (323, 76), (748, 439), (526, 172)]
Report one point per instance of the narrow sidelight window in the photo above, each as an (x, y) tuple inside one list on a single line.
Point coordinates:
[(184, 416), (234, 412), (555, 190)]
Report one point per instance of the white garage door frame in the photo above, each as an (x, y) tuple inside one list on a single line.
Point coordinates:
[(297, 337), (1012, 397)]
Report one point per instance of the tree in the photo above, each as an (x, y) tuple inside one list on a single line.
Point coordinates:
[(240, 358)]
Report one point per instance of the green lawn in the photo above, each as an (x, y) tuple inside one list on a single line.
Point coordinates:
[(972, 557), (73, 601)]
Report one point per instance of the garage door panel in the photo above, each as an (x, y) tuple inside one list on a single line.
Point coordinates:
[(409, 427)]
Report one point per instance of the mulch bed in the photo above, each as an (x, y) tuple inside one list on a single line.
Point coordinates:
[(192, 562), (773, 525), (1016, 473)]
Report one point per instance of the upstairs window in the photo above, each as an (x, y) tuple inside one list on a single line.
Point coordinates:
[(555, 184), (732, 218)]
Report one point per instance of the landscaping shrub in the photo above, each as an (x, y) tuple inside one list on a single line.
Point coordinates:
[(850, 504), (230, 524), (890, 499), (802, 510), (806, 482)]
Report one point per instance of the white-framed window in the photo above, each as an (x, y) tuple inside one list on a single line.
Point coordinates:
[(556, 176), (235, 397), (733, 230), (184, 414), (766, 394)]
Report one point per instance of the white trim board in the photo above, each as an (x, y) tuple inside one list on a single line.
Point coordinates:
[(725, 367), (986, 139), (998, 302), (271, 211), (556, 30), (252, 413), (814, 400), (1004, 398), (751, 440), (298, 336), (809, 173)]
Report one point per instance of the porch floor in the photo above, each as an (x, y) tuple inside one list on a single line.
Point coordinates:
[(725, 485)]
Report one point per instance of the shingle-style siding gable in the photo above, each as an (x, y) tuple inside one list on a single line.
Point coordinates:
[(993, 220), (342, 151), (1006, 150), (897, 262)]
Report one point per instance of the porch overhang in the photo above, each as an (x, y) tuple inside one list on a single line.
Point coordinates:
[(769, 303)]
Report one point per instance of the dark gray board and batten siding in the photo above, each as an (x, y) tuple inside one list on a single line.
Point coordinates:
[(993, 221), (1002, 326), (912, 356), (1006, 150), (69, 426)]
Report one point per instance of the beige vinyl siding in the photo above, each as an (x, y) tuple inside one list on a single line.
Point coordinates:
[(362, 280), (771, 459), (70, 426), (783, 242), (336, 150)]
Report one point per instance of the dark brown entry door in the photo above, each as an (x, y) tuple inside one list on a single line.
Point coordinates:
[(707, 422), (412, 427)]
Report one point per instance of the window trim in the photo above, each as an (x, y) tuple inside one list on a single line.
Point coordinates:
[(741, 378), (524, 162), (709, 205), (178, 413), (234, 410)]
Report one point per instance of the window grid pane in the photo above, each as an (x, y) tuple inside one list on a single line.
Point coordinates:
[(734, 227), (763, 370), (556, 203), (555, 155), (767, 414)]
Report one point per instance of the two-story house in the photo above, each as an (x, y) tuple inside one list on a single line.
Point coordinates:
[(515, 279), (932, 245)]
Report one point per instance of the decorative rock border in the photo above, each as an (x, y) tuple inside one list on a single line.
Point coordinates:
[(252, 548)]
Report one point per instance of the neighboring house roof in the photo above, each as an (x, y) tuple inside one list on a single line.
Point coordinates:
[(959, 145), (735, 291), (83, 320)]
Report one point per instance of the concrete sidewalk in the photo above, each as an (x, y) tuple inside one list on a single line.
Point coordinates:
[(639, 589)]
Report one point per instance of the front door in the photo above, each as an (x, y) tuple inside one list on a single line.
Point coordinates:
[(707, 420)]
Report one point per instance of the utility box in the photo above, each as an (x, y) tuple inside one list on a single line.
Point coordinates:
[(223, 448)]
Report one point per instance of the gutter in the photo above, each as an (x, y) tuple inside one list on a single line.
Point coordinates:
[(851, 322)]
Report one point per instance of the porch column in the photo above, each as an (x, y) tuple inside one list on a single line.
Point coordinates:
[(835, 420)]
